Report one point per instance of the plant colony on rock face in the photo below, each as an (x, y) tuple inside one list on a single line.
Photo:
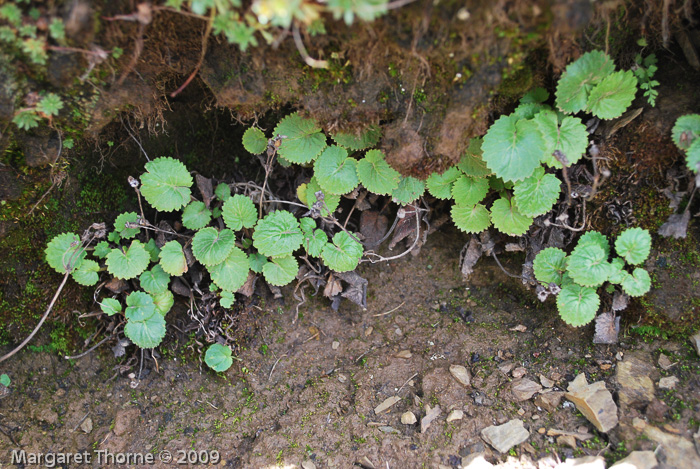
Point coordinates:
[(509, 161)]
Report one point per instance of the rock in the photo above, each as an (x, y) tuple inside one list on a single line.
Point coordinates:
[(586, 462), (384, 406), (505, 367), (455, 415), (594, 401), (638, 424), (86, 426), (523, 389), (695, 340), (41, 147), (656, 411), (335, 345), (461, 374), (664, 362), (308, 465), (125, 420), (636, 387), (637, 460), (673, 450), (388, 429), (365, 462), (48, 416), (549, 401), (668, 382), (430, 415), (504, 437), (404, 354), (519, 372), (408, 418), (546, 382), (476, 461), (567, 440)]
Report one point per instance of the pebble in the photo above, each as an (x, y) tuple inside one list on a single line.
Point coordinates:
[(668, 382), (541, 430), (549, 401), (455, 415), (665, 362), (369, 331), (523, 389), (594, 401), (638, 460), (636, 387), (546, 382), (505, 367), (386, 405), (408, 418), (404, 354), (335, 345), (430, 415), (519, 372), (504, 437), (308, 465), (695, 340), (342, 378), (461, 374), (86, 426)]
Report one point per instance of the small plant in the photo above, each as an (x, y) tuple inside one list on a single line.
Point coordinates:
[(575, 278), (686, 136), (645, 68), (5, 380)]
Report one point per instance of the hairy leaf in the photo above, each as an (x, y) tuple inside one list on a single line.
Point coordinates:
[(120, 225), (588, 265), (146, 331), (223, 191), (110, 306), (278, 234), (685, 131), (196, 215), (472, 163), (577, 305), (537, 194), (164, 301), (303, 140), (86, 273), (335, 172), (344, 254), (227, 299), (408, 190), (595, 238), (579, 78), (314, 242), (254, 140), (50, 104), (367, 139), (139, 305), (507, 219), (256, 262), (211, 246), (470, 218), (218, 357), (692, 158), (535, 95), (468, 190), (617, 271), (376, 174), (232, 273), (154, 281), (512, 148), (549, 266), (570, 137), (613, 95), (633, 245), (239, 212), (638, 283), (130, 263), (172, 259), (102, 249), (440, 185), (65, 252), (166, 185), (280, 270), (331, 201)]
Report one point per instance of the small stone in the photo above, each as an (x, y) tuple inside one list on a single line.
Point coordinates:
[(60, 392), (549, 401), (398, 332), (674, 450), (638, 460), (365, 462), (505, 367), (638, 424), (668, 382), (408, 418), (524, 389), (521, 411), (461, 374), (308, 465), (430, 415), (586, 462), (636, 387), (476, 461), (664, 362), (455, 415), (384, 406), (342, 378), (518, 328), (86, 426), (546, 382), (369, 331), (504, 437), (335, 346), (541, 430), (388, 429), (535, 417), (695, 340), (404, 354), (605, 366), (619, 356), (519, 372), (567, 440), (594, 401)]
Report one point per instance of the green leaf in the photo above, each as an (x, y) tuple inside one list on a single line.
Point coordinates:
[(278, 234), (569, 137), (577, 305), (218, 357), (122, 220), (139, 305), (440, 185), (692, 159), (50, 104), (528, 110), (304, 140), (513, 148), (232, 273), (196, 215), (65, 252), (223, 191), (367, 10), (507, 219), (144, 326), (7, 34), (211, 246), (472, 163), (102, 249), (314, 242), (549, 266), (613, 95), (588, 265), (595, 238), (579, 78), (280, 270), (152, 250), (163, 301), (367, 139), (57, 29), (110, 306), (537, 194), (11, 13), (5, 380), (227, 299), (26, 119), (335, 172), (130, 263), (34, 48), (154, 281), (468, 190), (633, 245), (535, 95), (254, 140), (257, 261), (86, 273), (470, 218), (408, 190), (376, 174), (238, 212), (617, 271), (331, 200), (638, 283), (166, 185), (172, 259), (114, 237), (686, 130), (344, 254)]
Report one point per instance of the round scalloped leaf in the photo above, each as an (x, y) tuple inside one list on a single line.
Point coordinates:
[(528, 110), (110, 306), (588, 265), (408, 190), (139, 305), (537, 194), (303, 139), (535, 95), (64, 252), (120, 225), (692, 157), (471, 163), (549, 266), (218, 357), (617, 271), (613, 95), (335, 172), (331, 200), (633, 245), (166, 185), (211, 246), (376, 174), (102, 249), (223, 191), (278, 234), (686, 130), (314, 242), (579, 78), (577, 305), (254, 140), (638, 283), (468, 190), (152, 249), (471, 218), (238, 212), (568, 136), (256, 262), (196, 215), (154, 281), (130, 263), (367, 139), (147, 332), (344, 254), (164, 301), (512, 148), (227, 299), (440, 185), (232, 273), (280, 270), (86, 273), (595, 238), (507, 219), (172, 259), (307, 224)]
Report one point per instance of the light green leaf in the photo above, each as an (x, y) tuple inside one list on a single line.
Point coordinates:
[(633, 245), (172, 259), (577, 305), (120, 225), (470, 218), (114, 237), (535, 95), (164, 301), (507, 219), (613, 95), (154, 281), (579, 78), (595, 238), (686, 130), (376, 174), (57, 29), (86, 273), (638, 283), (692, 158), (367, 139), (588, 265), (304, 140), (139, 305), (196, 215), (239, 211), (537, 194), (50, 104), (468, 190), (227, 299), (472, 163), (440, 185), (223, 191), (254, 140), (5, 380), (26, 119), (513, 148), (280, 270), (144, 326), (549, 266), (102, 249), (12, 14), (232, 273), (130, 263), (331, 200), (408, 190), (211, 246), (278, 234), (335, 172), (569, 137), (218, 357), (256, 261), (166, 185), (617, 271), (344, 254), (528, 110), (110, 306), (65, 252), (314, 241)]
